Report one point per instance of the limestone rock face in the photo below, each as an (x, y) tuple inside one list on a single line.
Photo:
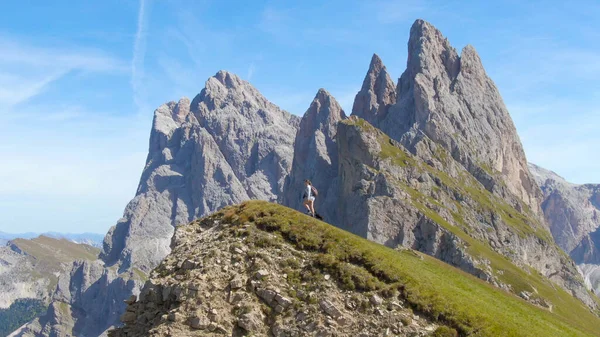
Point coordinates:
[(254, 136), (450, 99), (573, 212), (316, 157), (429, 202), (228, 145)]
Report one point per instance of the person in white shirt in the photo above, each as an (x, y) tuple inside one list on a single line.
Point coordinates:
[(309, 198)]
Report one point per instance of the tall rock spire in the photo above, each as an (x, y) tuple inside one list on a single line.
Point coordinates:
[(316, 156), (451, 100), (377, 94)]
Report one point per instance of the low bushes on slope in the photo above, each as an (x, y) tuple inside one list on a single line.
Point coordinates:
[(20, 312)]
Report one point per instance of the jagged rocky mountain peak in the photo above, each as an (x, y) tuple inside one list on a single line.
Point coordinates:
[(228, 79), (450, 100), (377, 94), (430, 51), (470, 62), (322, 112)]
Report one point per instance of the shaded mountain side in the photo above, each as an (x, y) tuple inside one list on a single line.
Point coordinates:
[(30, 272), (20, 312), (86, 301), (449, 98), (316, 157), (573, 212), (283, 273)]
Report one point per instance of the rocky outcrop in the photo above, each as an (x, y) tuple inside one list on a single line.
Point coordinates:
[(255, 290), (573, 213), (450, 99), (255, 136), (266, 270), (316, 157)]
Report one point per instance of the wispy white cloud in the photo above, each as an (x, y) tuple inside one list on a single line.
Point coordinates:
[(251, 71), (139, 54), (26, 70), (17, 88), (17, 52)]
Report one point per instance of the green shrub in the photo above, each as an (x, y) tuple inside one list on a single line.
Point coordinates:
[(444, 331)]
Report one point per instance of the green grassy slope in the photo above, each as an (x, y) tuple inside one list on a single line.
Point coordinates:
[(472, 306), (55, 251)]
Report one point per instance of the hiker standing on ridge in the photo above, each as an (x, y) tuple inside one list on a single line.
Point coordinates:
[(309, 197)]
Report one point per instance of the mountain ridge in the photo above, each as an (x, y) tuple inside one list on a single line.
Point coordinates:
[(92, 239), (283, 273)]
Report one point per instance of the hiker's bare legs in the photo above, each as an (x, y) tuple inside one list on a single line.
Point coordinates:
[(306, 204), (311, 204)]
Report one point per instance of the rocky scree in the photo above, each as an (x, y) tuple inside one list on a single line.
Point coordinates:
[(223, 279)]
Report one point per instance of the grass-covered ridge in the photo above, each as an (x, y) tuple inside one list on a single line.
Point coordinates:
[(473, 307), (54, 251)]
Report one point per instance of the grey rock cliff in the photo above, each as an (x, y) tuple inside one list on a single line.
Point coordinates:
[(573, 212), (451, 100), (430, 203), (228, 145), (316, 157), (87, 301)]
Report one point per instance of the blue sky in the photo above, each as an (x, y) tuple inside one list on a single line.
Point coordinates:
[(79, 81)]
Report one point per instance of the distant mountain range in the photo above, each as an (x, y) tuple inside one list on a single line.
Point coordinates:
[(92, 239)]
